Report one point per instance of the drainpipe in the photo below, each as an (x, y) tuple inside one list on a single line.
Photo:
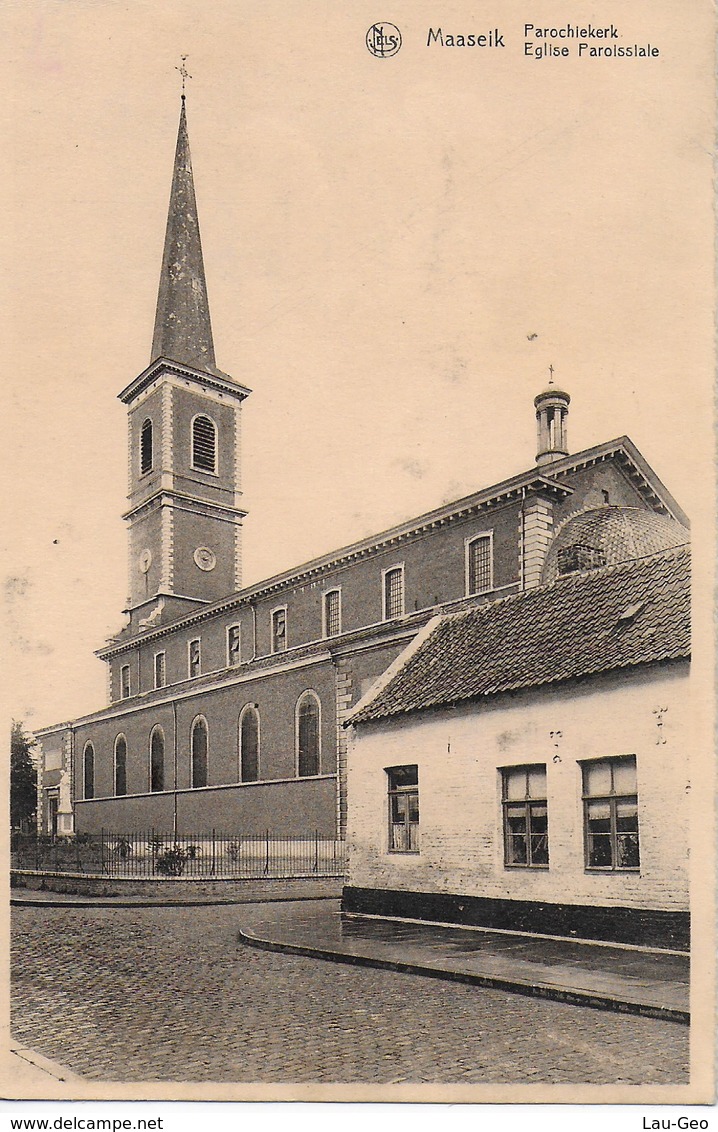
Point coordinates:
[(174, 799), (522, 563), (253, 607)]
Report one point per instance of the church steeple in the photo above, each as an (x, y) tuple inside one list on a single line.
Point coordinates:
[(183, 332), (185, 499)]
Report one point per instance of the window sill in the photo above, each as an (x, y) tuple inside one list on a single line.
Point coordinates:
[(528, 868), (404, 852), (607, 870)]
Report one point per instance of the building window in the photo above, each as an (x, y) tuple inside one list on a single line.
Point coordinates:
[(332, 613), (160, 674), (204, 445), (610, 804), (308, 735), (146, 447), (479, 564), (157, 760), (199, 753), (403, 809), (88, 771), (120, 765), (195, 657), (124, 681), (234, 642), (279, 629), (525, 816), (249, 744), (393, 592)]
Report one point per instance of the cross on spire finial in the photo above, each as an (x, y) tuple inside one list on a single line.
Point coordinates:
[(184, 73)]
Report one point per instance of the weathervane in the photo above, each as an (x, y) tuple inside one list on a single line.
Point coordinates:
[(184, 73), (550, 370)]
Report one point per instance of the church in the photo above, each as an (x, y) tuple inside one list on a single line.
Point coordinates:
[(228, 706)]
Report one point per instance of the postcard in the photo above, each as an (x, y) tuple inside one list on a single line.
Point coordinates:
[(360, 425)]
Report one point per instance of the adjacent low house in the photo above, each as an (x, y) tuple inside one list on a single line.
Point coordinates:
[(524, 763)]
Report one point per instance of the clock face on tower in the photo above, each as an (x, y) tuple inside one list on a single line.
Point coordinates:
[(145, 560), (205, 558)]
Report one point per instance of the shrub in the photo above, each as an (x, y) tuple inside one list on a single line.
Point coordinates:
[(171, 863)]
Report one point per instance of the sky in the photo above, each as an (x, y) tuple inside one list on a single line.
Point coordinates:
[(396, 250)]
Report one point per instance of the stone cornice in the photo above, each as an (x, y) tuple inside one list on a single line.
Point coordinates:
[(217, 380)]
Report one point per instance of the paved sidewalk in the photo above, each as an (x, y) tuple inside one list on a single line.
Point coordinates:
[(625, 979)]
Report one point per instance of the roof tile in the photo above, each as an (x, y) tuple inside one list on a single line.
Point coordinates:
[(571, 628)]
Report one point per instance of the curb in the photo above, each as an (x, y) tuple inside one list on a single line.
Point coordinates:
[(513, 986), (105, 902)]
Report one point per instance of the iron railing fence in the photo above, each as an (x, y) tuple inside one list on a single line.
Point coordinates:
[(153, 854)]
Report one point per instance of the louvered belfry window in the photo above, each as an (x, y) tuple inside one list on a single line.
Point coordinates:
[(146, 447), (204, 444)]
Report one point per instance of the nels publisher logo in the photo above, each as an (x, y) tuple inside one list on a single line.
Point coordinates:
[(383, 40)]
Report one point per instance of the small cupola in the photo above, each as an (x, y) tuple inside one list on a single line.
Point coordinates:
[(551, 417)]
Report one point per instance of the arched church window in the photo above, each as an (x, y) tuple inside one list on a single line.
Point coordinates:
[(307, 733), (146, 447), (120, 765), (157, 760), (88, 771), (204, 444), (199, 753), (249, 744)]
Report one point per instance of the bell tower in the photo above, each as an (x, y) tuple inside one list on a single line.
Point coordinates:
[(184, 447)]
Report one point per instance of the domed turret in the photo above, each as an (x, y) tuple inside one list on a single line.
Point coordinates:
[(604, 536), (551, 416)]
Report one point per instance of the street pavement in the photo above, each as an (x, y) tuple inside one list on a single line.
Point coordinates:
[(171, 994)]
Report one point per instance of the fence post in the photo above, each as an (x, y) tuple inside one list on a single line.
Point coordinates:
[(102, 850), (316, 850), (77, 855), (266, 860), (212, 869), (152, 849)]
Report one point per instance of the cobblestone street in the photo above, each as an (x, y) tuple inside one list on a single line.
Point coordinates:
[(169, 994)]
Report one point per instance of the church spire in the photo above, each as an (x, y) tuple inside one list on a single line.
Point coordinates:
[(183, 332)]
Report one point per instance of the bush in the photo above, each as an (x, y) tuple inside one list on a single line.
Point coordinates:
[(171, 863)]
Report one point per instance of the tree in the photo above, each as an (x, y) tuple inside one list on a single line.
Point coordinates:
[(23, 779)]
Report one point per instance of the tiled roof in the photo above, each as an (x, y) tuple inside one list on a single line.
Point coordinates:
[(620, 616)]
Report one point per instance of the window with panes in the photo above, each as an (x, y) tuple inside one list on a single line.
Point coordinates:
[(279, 630), (610, 805), (394, 593), (403, 784), (479, 565), (120, 765), (88, 771), (160, 677), (525, 809), (332, 613), (249, 745), (157, 760), (199, 754), (308, 719), (125, 681), (195, 657), (233, 645)]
